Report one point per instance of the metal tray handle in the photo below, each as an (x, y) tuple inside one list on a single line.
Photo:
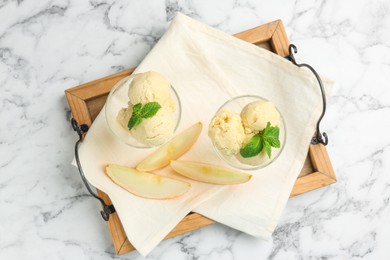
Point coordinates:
[(82, 129), (318, 138)]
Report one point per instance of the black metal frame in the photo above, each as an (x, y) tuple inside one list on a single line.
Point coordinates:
[(82, 129), (319, 138)]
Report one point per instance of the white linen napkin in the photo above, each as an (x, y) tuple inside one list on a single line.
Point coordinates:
[(208, 67)]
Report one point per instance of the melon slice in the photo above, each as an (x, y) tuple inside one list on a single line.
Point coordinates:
[(209, 173), (172, 150), (146, 185)]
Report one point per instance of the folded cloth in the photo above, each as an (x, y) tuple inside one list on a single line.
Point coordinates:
[(208, 67)]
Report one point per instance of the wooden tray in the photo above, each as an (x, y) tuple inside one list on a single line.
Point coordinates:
[(86, 101)]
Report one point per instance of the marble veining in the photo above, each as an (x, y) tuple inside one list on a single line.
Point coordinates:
[(50, 45)]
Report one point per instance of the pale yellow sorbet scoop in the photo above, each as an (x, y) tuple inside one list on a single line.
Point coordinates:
[(226, 132), (257, 114), (144, 88), (151, 86)]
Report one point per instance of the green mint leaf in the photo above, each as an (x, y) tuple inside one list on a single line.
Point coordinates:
[(135, 118), (253, 147), (267, 148), (150, 109), (273, 142), (140, 112), (137, 109), (134, 121), (272, 131), (271, 135)]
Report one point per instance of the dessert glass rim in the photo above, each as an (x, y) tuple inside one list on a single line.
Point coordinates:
[(121, 83), (243, 166)]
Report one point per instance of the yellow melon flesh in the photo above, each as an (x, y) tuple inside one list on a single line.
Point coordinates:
[(209, 173), (146, 185), (172, 150)]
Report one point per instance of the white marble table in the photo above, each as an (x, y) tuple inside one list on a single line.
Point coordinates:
[(49, 46)]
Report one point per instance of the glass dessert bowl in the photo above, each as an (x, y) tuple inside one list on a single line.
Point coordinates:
[(133, 95), (248, 132)]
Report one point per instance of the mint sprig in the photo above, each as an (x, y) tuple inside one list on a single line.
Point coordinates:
[(265, 139), (253, 147), (150, 109), (142, 112)]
